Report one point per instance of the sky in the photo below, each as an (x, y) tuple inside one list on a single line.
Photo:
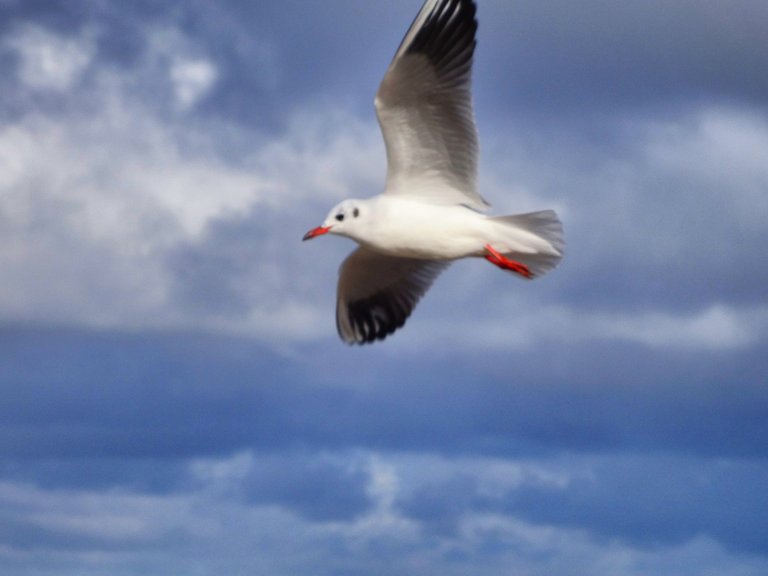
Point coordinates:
[(174, 399)]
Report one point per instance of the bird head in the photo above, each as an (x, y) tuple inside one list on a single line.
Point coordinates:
[(343, 220)]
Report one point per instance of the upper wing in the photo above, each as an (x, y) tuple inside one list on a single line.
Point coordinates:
[(377, 293), (424, 107)]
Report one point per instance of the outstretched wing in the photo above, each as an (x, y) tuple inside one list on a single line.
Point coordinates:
[(377, 293), (424, 107)]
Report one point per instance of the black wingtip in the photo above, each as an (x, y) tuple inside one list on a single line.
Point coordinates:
[(374, 318), (448, 34)]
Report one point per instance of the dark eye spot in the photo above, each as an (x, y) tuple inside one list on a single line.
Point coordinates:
[(340, 217), (356, 212)]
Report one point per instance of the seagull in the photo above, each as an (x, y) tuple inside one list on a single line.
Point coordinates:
[(430, 212)]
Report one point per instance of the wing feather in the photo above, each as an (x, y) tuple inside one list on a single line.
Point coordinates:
[(424, 107), (377, 293)]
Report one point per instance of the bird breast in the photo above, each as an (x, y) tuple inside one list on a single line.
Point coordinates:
[(412, 229)]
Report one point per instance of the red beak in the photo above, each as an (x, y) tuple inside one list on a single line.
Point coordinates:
[(315, 232)]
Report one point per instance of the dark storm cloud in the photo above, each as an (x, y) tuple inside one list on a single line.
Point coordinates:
[(150, 396), (598, 55)]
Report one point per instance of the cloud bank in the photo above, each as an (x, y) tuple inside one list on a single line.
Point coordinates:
[(174, 398)]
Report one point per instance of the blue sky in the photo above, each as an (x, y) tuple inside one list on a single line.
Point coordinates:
[(173, 395)]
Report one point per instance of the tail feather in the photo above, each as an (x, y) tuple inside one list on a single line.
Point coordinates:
[(535, 239)]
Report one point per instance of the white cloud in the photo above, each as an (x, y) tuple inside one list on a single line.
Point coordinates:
[(721, 153), (384, 519), (192, 80), (223, 474), (93, 205), (716, 327), (681, 199), (94, 202), (49, 61), (90, 209), (213, 531), (101, 518)]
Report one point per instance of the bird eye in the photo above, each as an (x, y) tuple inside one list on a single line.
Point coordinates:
[(356, 212), (340, 217)]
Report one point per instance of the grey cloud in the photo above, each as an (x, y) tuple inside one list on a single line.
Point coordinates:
[(649, 500), (647, 233), (318, 488), (150, 396), (644, 123), (659, 501), (660, 220), (552, 57), (564, 57), (441, 506)]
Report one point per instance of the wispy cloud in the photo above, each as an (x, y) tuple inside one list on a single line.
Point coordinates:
[(48, 61), (718, 327), (108, 529), (192, 80), (115, 188)]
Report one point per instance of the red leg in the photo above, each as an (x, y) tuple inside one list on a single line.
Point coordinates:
[(494, 257)]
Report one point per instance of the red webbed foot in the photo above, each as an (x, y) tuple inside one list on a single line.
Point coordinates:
[(494, 257)]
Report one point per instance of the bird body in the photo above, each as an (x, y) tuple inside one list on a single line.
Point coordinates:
[(430, 212), (412, 228)]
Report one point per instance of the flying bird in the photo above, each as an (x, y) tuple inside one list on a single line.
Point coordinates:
[(430, 212)]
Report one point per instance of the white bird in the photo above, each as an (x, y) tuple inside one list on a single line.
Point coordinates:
[(430, 212)]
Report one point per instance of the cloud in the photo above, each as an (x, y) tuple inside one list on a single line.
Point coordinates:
[(717, 327), (647, 501), (721, 157), (318, 487), (191, 73), (170, 251), (193, 80), (144, 395), (176, 400), (82, 194), (497, 527), (80, 520), (184, 232), (592, 59), (112, 187), (48, 61)]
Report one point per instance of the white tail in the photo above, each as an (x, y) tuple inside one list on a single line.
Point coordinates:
[(535, 239)]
